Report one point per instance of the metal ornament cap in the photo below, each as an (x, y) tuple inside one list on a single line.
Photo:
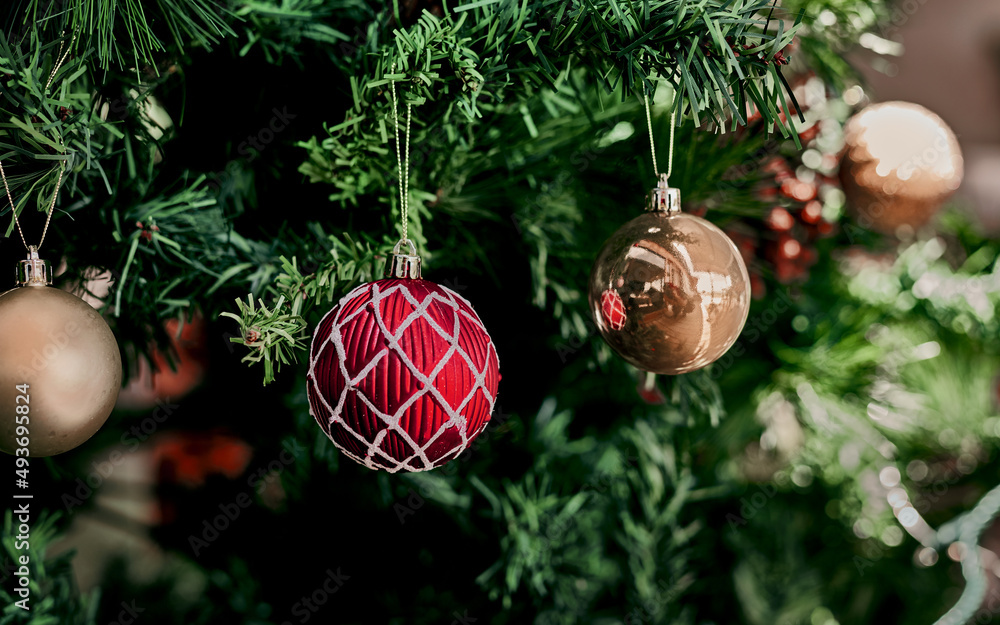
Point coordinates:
[(664, 198), (401, 265), (34, 271)]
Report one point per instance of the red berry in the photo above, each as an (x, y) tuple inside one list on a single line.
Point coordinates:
[(789, 248), (780, 220), (798, 190), (809, 133), (812, 213)]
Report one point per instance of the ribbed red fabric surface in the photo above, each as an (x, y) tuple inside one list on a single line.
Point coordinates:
[(403, 375)]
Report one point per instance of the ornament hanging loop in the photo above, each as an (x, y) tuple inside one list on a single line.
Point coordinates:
[(652, 142), (34, 271), (48, 217), (406, 266), (664, 198), (33, 249), (402, 159)]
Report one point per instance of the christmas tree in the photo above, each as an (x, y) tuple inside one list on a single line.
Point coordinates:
[(225, 173)]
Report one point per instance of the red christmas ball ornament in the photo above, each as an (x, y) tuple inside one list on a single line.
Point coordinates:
[(402, 375), (613, 309)]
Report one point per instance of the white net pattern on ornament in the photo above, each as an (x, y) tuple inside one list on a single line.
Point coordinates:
[(392, 421)]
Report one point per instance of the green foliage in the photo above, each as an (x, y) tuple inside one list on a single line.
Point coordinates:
[(185, 229), (898, 374), (835, 26), (552, 539), (54, 598), (280, 27), (457, 69), (49, 122), (272, 335), (128, 34), (528, 148)]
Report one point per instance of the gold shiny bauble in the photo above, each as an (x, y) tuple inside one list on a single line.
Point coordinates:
[(64, 351), (901, 163), (669, 292)]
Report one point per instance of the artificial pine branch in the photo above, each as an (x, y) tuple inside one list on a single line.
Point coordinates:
[(272, 334), (129, 34), (640, 530), (279, 27), (53, 595)]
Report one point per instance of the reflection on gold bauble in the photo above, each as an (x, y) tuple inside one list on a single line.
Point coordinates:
[(900, 164), (682, 290), (64, 351)]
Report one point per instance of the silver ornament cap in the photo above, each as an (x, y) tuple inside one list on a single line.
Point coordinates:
[(402, 265), (34, 271), (664, 198)]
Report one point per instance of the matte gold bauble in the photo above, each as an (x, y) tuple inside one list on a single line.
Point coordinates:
[(64, 357), (669, 291), (900, 165)]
